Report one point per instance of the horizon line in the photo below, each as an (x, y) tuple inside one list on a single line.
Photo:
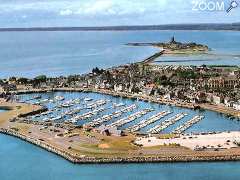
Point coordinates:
[(177, 26)]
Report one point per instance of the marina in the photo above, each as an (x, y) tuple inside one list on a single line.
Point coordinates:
[(93, 110), (130, 118), (188, 124), (119, 90), (105, 118), (90, 109), (146, 122), (165, 124)]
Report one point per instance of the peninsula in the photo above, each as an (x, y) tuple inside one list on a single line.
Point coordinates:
[(87, 129), (173, 48)]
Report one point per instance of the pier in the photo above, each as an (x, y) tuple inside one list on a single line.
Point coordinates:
[(153, 57), (105, 118), (188, 124), (130, 118), (86, 115), (163, 125), (146, 122)]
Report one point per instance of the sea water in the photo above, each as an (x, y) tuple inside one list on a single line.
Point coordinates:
[(23, 161), (30, 54)]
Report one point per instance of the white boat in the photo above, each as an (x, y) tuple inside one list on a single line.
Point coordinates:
[(56, 118), (44, 100), (88, 99), (59, 98), (118, 105), (45, 119), (37, 97)]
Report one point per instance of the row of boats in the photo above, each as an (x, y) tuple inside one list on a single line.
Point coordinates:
[(56, 99), (70, 113), (188, 124), (130, 118), (148, 121), (86, 115), (165, 124), (108, 117)]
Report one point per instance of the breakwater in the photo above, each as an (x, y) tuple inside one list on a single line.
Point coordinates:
[(136, 159)]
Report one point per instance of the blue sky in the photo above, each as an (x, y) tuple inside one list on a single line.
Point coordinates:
[(36, 13)]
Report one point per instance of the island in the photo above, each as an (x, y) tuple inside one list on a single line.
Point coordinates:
[(173, 48)]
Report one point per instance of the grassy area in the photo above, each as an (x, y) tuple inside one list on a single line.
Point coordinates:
[(22, 127), (97, 145)]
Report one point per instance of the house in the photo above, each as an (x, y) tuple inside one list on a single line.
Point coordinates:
[(209, 97), (168, 96), (118, 87), (147, 90), (228, 102), (236, 105), (217, 99), (229, 82), (8, 87), (103, 129), (201, 97)]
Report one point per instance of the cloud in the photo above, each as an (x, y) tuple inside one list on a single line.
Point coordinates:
[(66, 12), (113, 7), (107, 12)]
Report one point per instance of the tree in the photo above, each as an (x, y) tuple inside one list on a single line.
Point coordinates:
[(41, 78), (97, 71), (187, 74), (22, 80)]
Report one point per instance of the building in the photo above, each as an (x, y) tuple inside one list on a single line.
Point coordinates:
[(217, 99), (236, 105), (229, 82), (103, 129), (8, 87)]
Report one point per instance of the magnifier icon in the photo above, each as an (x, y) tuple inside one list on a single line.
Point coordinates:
[(233, 5)]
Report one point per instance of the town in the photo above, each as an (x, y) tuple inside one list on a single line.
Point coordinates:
[(195, 85)]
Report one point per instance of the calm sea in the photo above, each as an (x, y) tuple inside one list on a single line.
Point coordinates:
[(62, 53), (23, 161)]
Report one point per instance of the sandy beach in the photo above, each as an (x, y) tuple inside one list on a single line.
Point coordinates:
[(223, 140)]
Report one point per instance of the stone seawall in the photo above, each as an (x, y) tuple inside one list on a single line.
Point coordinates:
[(38, 111), (146, 159)]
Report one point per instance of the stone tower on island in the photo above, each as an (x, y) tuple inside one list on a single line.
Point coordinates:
[(172, 40)]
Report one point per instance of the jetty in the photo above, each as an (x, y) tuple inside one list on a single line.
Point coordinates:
[(188, 124), (165, 124), (130, 118), (87, 115), (148, 121), (153, 57), (105, 118)]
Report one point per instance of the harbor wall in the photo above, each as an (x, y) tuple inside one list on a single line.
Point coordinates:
[(146, 159)]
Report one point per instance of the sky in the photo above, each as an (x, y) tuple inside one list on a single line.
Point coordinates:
[(58, 13)]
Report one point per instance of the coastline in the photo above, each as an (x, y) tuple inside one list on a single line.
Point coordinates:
[(138, 159), (67, 154)]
